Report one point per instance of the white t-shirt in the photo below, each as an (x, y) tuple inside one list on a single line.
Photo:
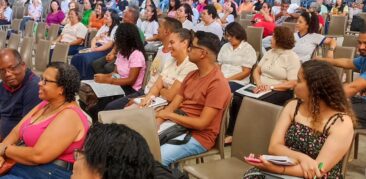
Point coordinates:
[(157, 66), (214, 28), (187, 24), (71, 33), (232, 60), (103, 33), (172, 72), (305, 46), (149, 28), (229, 19)]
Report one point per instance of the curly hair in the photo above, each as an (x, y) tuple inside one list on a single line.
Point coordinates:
[(116, 151), (284, 37), (68, 78), (127, 39), (312, 21), (323, 85)]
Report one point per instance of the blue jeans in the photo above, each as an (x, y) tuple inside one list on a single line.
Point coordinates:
[(45, 171), (171, 153), (83, 63)]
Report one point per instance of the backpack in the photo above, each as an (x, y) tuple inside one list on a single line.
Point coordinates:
[(357, 23)]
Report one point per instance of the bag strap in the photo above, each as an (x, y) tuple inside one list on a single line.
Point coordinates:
[(180, 142)]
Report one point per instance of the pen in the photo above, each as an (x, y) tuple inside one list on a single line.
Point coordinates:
[(320, 166)]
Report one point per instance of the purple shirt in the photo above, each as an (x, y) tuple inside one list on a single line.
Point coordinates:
[(56, 18)]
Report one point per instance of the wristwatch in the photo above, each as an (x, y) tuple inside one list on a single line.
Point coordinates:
[(271, 87)]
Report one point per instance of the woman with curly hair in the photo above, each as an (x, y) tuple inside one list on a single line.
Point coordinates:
[(43, 142), (130, 61), (113, 151), (275, 72), (316, 128)]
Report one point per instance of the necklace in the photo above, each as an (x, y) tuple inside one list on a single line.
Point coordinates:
[(44, 111)]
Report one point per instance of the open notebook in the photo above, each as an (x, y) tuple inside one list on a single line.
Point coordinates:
[(155, 102), (104, 90), (248, 89), (280, 160)]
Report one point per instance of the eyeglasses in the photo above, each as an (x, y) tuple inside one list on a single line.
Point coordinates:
[(191, 46), (78, 153), (45, 81), (11, 69)]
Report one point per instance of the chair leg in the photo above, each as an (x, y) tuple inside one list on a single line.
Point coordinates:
[(197, 160), (355, 153), (202, 160)]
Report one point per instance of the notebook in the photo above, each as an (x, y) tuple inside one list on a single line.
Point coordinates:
[(248, 89), (280, 160), (155, 102)]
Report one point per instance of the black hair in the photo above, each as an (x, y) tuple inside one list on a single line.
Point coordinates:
[(208, 40), (311, 19), (116, 152), (188, 10), (68, 78), (127, 39), (76, 13), (58, 3), (172, 24), (176, 5), (211, 10), (341, 7), (103, 10), (285, 2), (154, 17), (234, 29), (115, 20), (234, 13), (184, 34)]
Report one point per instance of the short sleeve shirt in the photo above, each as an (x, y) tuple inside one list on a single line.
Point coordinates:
[(214, 28), (305, 45), (149, 28), (278, 66), (35, 11), (187, 24), (198, 92), (124, 65), (103, 33), (172, 72), (72, 32), (360, 64), (232, 60)]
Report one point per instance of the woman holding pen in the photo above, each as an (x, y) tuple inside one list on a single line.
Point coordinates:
[(316, 128)]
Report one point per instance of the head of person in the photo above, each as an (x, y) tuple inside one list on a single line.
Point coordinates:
[(4, 3), (112, 19), (315, 7), (174, 5), (55, 6), (87, 5), (74, 5), (151, 13), (37, 2), (204, 46), (179, 41), (266, 7), (167, 25), (12, 67), (277, 3), (362, 42), (285, 4), (59, 80), (127, 39), (74, 16), (235, 33), (185, 12), (100, 10), (209, 14), (318, 82), (283, 38), (339, 3), (113, 151), (131, 15), (308, 22)]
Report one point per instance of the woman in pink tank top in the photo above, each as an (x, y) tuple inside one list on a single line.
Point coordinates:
[(43, 142)]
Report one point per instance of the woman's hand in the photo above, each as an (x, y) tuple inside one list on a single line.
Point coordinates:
[(265, 165), (309, 167), (261, 88), (103, 78), (163, 114), (146, 101), (2, 161)]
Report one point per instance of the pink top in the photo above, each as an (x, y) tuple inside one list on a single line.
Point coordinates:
[(136, 60), (200, 7), (172, 13), (31, 132)]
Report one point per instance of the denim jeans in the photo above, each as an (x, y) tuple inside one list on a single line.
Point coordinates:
[(45, 171), (171, 153)]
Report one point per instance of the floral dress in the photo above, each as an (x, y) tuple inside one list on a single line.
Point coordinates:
[(304, 139)]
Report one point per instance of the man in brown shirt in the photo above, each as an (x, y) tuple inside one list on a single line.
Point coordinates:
[(202, 99)]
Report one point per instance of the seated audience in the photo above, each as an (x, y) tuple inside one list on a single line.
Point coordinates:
[(322, 117), (87, 12), (247, 6), (200, 103), (163, 57), (173, 7), (323, 8), (34, 13), (209, 23), (276, 71), (276, 8), (43, 142), (316, 8), (73, 33), (18, 90), (228, 14), (97, 19), (196, 14), (150, 26), (101, 45), (285, 14), (340, 8), (72, 5), (56, 16), (265, 19), (184, 15), (5, 12), (355, 89), (125, 155)]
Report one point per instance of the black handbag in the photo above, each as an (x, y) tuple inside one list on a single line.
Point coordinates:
[(167, 136)]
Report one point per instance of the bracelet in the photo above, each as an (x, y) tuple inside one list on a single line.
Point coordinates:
[(283, 171)]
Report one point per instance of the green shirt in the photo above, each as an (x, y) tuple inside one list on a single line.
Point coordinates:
[(86, 17), (142, 35)]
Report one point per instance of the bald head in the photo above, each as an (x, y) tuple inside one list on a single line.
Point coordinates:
[(5, 52)]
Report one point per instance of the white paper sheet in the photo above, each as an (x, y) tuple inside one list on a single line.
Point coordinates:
[(104, 90)]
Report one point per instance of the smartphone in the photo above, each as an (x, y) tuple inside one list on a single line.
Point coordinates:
[(253, 160)]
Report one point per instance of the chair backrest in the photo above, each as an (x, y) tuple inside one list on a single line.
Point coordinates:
[(147, 73), (42, 55), (15, 25), (60, 52), (2, 38), (220, 140), (19, 14), (90, 37), (14, 41), (141, 120), (343, 52), (28, 32), (26, 51), (290, 25), (41, 31), (363, 16), (254, 38), (53, 32), (350, 41), (337, 25), (245, 23), (253, 129)]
